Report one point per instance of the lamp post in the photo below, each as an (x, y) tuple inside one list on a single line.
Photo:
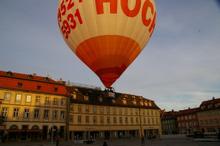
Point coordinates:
[(141, 128)]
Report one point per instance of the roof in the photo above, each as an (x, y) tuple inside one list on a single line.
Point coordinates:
[(99, 97), (214, 103), (33, 83), (188, 111), (169, 115)]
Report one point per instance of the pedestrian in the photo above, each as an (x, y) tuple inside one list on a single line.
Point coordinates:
[(142, 140), (105, 143), (57, 141)]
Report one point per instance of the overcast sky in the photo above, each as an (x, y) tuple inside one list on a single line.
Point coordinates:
[(178, 68)]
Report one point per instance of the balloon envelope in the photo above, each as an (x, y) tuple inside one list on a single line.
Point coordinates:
[(107, 35)]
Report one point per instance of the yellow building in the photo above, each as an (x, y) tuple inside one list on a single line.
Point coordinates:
[(103, 114), (36, 107), (31, 106)]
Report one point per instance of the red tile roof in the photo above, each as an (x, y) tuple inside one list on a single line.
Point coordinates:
[(212, 101), (32, 83), (188, 111)]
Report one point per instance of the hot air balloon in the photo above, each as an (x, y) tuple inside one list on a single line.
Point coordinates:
[(107, 35)]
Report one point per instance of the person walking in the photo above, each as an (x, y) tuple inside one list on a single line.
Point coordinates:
[(57, 140), (105, 143)]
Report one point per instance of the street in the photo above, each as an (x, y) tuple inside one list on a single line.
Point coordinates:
[(163, 141)]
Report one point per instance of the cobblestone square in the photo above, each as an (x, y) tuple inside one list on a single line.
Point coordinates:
[(164, 141)]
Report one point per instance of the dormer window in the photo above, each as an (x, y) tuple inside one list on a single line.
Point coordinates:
[(146, 103), (74, 95), (86, 98), (19, 84), (46, 78), (134, 102), (209, 106), (203, 107), (55, 89), (30, 76), (124, 101), (9, 73), (141, 103), (217, 105), (38, 87)]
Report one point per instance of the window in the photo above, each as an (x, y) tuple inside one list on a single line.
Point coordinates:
[(7, 96), (55, 89), (101, 119), (115, 120), (137, 121), (38, 87), (54, 114), (120, 120), (126, 120), (136, 111), (47, 100), (124, 101), (108, 120), (102, 110), (100, 99), (62, 115), (135, 102), (108, 110), (55, 101), (87, 119), (132, 120), (19, 84), (46, 114), (79, 119), (5, 112), (149, 121), (62, 102), (36, 113), (16, 113), (74, 95), (87, 109), (94, 119), (147, 112), (114, 111), (120, 111), (37, 99), (79, 109), (86, 98), (18, 98), (94, 109), (26, 113), (71, 119), (153, 122), (28, 98), (157, 121)]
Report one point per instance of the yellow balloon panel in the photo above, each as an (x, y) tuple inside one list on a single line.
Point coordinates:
[(107, 35)]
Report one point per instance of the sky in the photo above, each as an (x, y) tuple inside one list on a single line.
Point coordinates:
[(179, 67)]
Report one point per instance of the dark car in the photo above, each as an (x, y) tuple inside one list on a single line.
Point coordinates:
[(198, 134)]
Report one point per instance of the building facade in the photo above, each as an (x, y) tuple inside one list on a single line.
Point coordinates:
[(209, 116), (103, 114), (169, 122), (188, 121), (40, 108), (33, 107)]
